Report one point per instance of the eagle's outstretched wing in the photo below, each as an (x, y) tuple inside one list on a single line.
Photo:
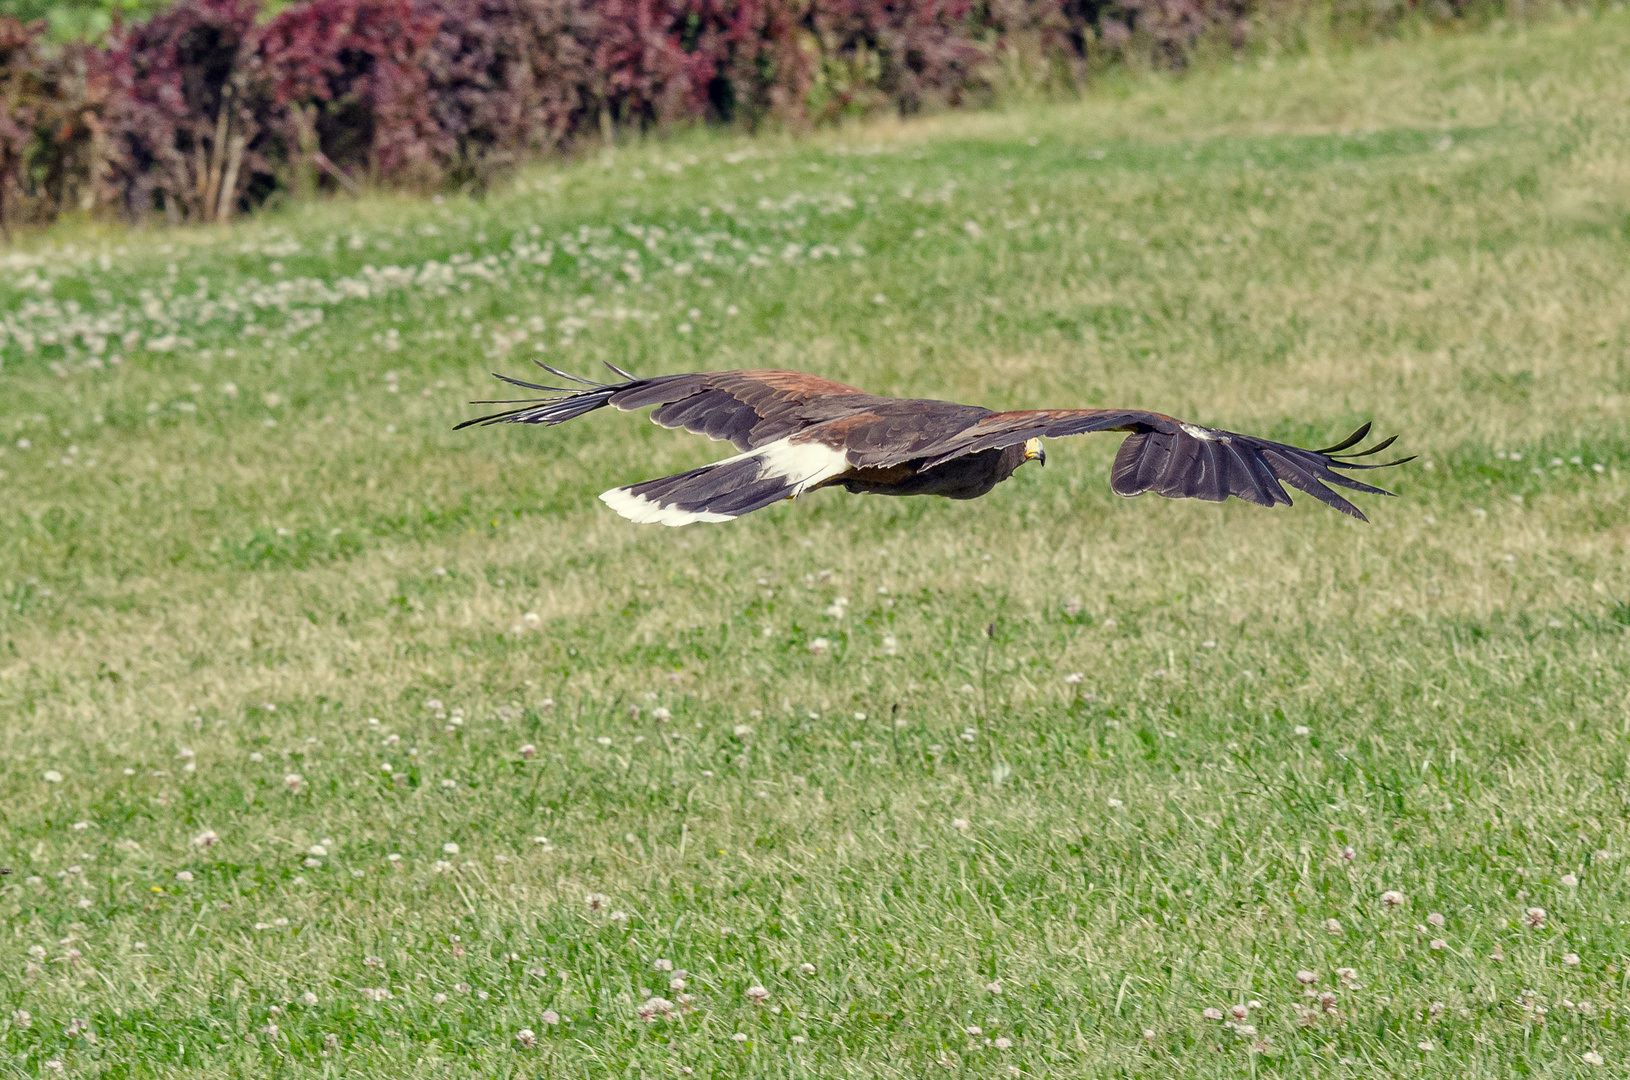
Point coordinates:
[(798, 432), (745, 408), (1179, 460)]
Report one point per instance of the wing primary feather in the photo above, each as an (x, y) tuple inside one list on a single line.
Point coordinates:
[(1251, 486), (619, 371), (1351, 440), (1297, 476), (1379, 465), (1376, 449), (568, 375), (534, 386)]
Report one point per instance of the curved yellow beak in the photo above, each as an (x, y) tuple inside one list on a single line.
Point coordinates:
[(1034, 452)]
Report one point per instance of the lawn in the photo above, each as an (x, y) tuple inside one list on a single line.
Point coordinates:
[(338, 743)]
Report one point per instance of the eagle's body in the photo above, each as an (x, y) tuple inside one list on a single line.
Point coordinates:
[(960, 478), (798, 432)]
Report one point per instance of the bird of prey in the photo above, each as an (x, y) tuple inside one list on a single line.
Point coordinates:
[(798, 432)]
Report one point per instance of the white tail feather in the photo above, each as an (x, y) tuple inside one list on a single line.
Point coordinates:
[(802, 464)]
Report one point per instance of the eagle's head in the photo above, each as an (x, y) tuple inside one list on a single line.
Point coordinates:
[(1034, 452)]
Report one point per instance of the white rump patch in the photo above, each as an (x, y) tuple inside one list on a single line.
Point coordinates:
[(802, 464), (805, 464)]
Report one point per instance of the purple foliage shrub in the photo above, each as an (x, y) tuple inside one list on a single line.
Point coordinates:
[(508, 79), (189, 120), (904, 54), (51, 137), (346, 80)]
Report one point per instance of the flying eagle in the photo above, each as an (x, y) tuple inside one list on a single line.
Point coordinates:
[(798, 432)]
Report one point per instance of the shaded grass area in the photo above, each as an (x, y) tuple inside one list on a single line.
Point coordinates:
[(1062, 770)]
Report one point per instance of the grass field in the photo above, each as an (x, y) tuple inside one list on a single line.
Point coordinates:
[(341, 744)]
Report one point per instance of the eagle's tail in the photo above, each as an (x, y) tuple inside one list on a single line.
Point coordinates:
[(730, 488)]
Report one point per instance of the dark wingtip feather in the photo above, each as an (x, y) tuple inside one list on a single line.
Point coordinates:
[(531, 386), (1377, 448), (566, 375), (1351, 440)]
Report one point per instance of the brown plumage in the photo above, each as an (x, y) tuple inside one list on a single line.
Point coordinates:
[(797, 432)]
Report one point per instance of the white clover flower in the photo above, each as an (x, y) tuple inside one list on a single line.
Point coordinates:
[(1212, 1013), (1570, 881), (654, 1008), (661, 715), (206, 839), (183, 875), (51, 776), (1392, 898), (1074, 678), (308, 998), (1535, 918), (293, 781), (526, 1038), (819, 646), (757, 994), (550, 1017)]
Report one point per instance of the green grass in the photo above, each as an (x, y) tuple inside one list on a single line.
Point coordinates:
[(248, 550)]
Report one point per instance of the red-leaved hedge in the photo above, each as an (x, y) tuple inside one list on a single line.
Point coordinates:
[(207, 108)]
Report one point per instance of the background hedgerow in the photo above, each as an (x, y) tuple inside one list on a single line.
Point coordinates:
[(209, 107), (52, 151)]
